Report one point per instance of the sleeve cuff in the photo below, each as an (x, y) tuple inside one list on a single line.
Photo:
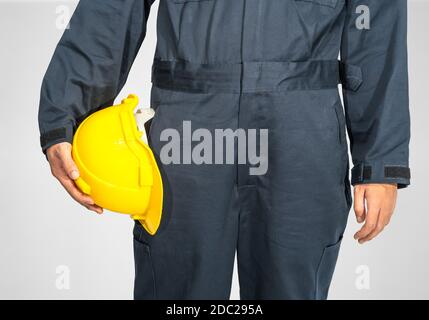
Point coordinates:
[(377, 172), (58, 135)]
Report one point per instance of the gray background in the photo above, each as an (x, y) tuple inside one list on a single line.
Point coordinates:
[(41, 228)]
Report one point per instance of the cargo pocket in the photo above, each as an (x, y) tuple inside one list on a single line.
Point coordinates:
[(325, 270), (144, 281), (328, 3)]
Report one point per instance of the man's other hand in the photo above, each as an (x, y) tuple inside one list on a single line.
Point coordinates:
[(373, 204)]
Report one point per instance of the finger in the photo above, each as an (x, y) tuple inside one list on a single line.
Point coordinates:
[(95, 208), (371, 221), (80, 197), (56, 165), (382, 222), (359, 204), (385, 215), (69, 165), (74, 192)]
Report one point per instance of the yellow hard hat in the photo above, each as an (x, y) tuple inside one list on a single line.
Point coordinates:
[(117, 167)]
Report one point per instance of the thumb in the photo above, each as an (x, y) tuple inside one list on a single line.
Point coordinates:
[(359, 204), (69, 166)]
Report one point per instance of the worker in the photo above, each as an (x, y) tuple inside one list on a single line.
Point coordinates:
[(263, 65)]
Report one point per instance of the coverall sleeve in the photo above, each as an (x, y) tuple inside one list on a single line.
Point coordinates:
[(90, 64), (374, 56)]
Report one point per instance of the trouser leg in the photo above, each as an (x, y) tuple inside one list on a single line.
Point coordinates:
[(293, 217), (192, 254)]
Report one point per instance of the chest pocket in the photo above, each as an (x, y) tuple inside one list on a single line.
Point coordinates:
[(328, 3)]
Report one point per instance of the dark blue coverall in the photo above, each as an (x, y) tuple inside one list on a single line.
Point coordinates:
[(251, 64)]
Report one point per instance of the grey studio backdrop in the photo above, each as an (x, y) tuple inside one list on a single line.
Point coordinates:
[(52, 248)]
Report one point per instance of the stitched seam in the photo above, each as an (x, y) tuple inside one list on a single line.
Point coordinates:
[(316, 278)]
